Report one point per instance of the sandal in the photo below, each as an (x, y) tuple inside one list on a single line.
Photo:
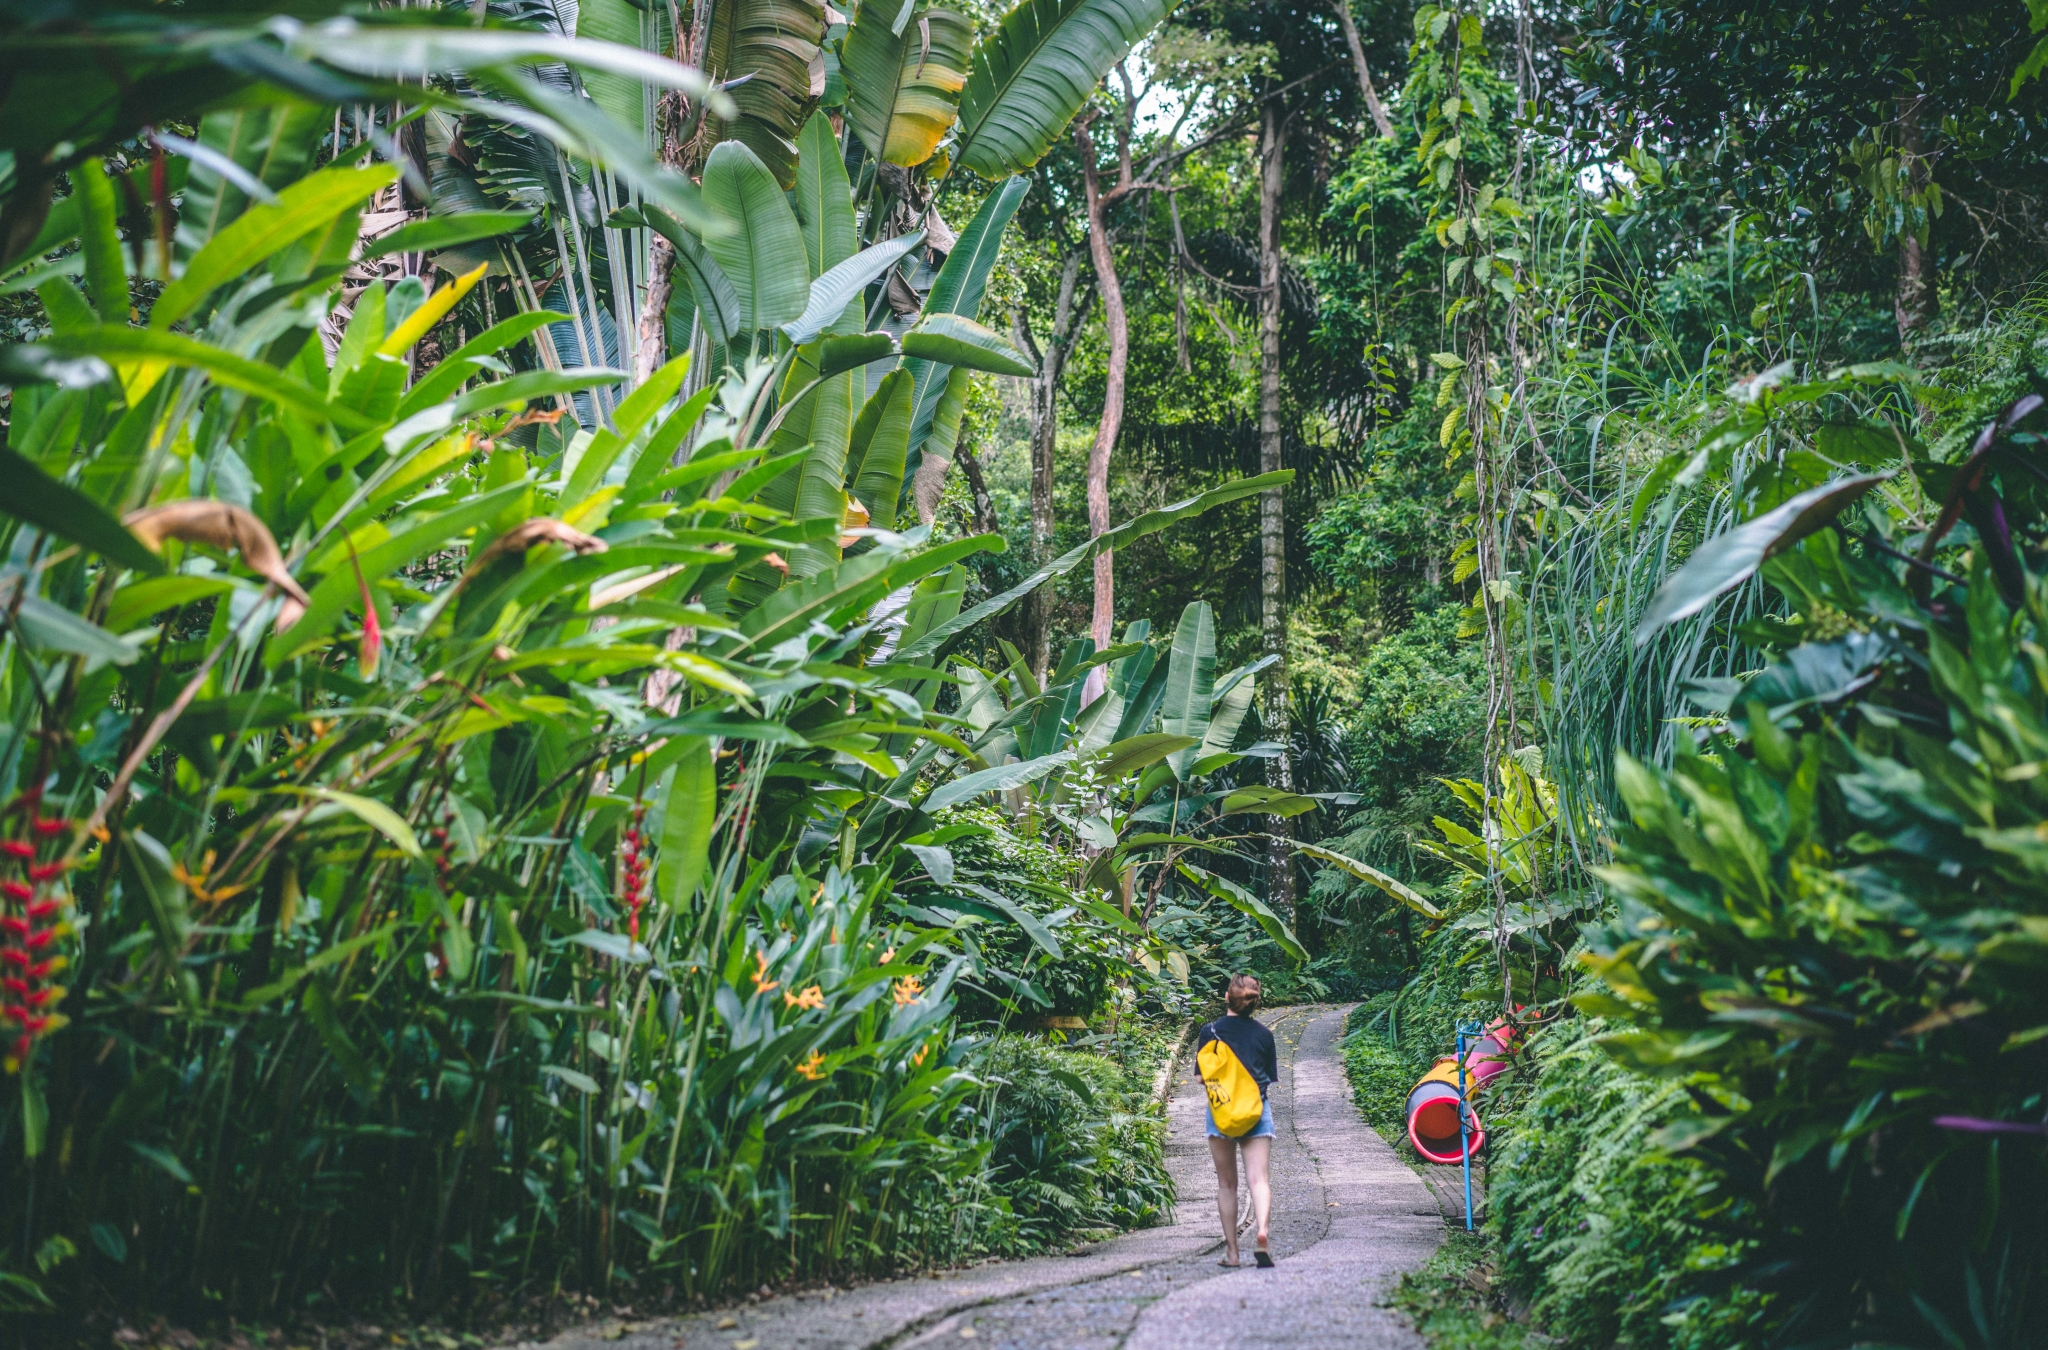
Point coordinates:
[(1230, 1265), (1263, 1257)]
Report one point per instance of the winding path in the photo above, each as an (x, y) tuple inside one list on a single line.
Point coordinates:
[(1348, 1218)]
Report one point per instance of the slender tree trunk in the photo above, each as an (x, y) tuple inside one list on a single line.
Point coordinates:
[(1371, 95), (652, 349), (1272, 507), (1917, 302), (1045, 430), (983, 519), (1102, 621)]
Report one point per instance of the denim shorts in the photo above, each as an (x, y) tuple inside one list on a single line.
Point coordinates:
[(1262, 1130)]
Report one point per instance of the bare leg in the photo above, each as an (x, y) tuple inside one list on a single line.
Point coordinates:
[(1224, 1152), (1257, 1153)]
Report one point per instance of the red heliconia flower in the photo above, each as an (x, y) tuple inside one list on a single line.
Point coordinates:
[(18, 848), (373, 633)]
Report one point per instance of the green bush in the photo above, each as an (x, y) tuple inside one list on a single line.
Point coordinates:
[(1596, 1228), (1075, 1145), (1833, 928)]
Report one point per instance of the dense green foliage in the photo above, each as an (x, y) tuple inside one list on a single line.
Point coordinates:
[(526, 768), (458, 849)]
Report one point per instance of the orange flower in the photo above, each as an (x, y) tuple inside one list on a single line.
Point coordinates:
[(762, 984), (888, 956), (813, 997), (814, 1067), (908, 990), (196, 882), (918, 1058)]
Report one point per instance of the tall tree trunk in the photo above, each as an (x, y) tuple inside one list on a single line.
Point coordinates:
[(1272, 507), (1045, 430), (1102, 620), (1371, 95), (652, 349), (983, 517), (1917, 302)]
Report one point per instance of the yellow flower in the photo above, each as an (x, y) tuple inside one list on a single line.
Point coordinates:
[(762, 984), (814, 1067), (813, 997), (908, 990)]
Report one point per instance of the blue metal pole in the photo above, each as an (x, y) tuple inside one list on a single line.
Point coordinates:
[(1465, 1127)]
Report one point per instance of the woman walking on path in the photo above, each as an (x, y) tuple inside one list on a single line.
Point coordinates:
[(1253, 1046)]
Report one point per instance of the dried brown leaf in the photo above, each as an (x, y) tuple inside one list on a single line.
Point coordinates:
[(539, 530), (224, 526)]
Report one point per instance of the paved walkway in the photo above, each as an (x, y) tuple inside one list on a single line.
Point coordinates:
[(1348, 1217)]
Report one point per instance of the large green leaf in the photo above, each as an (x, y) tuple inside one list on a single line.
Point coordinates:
[(271, 144), (940, 640), (1260, 800), (821, 482), (831, 293), (835, 354), (1030, 76), (848, 586), (1034, 928), (1401, 891), (57, 629), (772, 46), (1243, 901), (688, 812), (57, 508), (119, 343), (376, 815), (958, 290), (1727, 560), (262, 231), (718, 303), (1190, 676), (1121, 758), (1001, 778), (824, 197), (623, 97), (880, 439), (439, 232), (1229, 705), (904, 66), (955, 340), (763, 254), (99, 238)]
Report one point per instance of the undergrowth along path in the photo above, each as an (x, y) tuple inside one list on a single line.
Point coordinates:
[(1348, 1218)]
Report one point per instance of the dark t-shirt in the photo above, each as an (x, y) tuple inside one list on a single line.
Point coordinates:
[(1250, 1042)]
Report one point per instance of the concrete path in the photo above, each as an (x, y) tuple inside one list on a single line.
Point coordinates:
[(1348, 1218)]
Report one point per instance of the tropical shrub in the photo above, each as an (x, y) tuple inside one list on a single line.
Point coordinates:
[(1831, 920), (1074, 1144), (455, 846)]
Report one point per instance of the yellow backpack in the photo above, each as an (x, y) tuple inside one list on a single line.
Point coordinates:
[(1234, 1101)]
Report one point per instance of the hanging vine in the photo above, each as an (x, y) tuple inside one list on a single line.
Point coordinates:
[(1475, 222)]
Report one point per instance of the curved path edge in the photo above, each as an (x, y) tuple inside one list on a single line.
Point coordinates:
[(1349, 1217)]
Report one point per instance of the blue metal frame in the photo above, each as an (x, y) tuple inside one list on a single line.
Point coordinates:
[(1474, 1030)]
